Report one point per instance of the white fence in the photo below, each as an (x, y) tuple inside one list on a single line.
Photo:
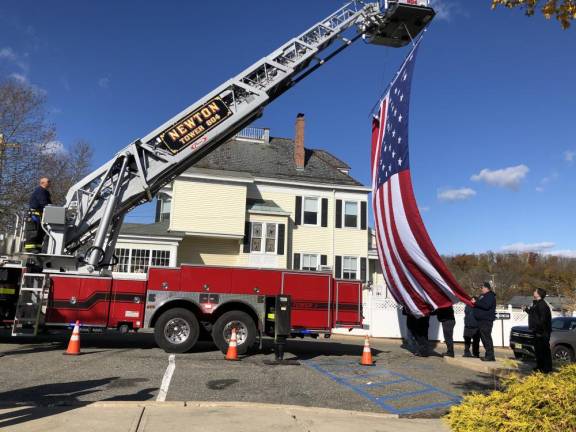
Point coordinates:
[(383, 318)]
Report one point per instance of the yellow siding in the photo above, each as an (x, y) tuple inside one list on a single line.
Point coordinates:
[(351, 242), (209, 251), (206, 207)]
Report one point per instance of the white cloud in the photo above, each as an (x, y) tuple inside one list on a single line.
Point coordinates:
[(444, 9), (54, 147), (506, 177), (19, 77), (569, 156), (450, 195), (528, 247), (424, 209), (7, 53), (565, 253), (104, 82), (539, 189)]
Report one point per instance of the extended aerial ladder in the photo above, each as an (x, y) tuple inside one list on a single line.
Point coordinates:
[(90, 221)]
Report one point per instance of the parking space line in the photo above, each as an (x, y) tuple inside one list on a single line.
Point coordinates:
[(385, 401), (167, 378)]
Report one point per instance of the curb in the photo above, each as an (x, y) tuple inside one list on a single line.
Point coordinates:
[(206, 404), (477, 365)]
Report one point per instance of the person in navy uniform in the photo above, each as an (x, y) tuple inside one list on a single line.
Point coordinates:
[(471, 332), (39, 199), (485, 314)]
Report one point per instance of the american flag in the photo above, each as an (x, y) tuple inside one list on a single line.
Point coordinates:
[(416, 275)]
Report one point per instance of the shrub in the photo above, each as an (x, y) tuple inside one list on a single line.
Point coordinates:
[(536, 403)]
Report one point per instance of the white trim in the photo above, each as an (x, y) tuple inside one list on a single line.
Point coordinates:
[(264, 237), (172, 241), (318, 211), (313, 185), (214, 177), (357, 267), (317, 255), (358, 214), (269, 213), (214, 235)]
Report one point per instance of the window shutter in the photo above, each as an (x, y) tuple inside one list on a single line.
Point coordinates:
[(281, 234), (338, 213), (363, 215), (247, 237), (338, 267), (298, 216), (363, 269), (324, 212), (158, 207), (323, 260), (296, 262)]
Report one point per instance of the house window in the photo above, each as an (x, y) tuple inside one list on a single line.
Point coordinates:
[(264, 236), (309, 262), (311, 211), (123, 256), (139, 260), (256, 245), (351, 214), (271, 238), (160, 258), (349, 267)]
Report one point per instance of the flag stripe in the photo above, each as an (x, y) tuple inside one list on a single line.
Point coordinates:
[(419, 231), (389, 201), (415, 302), (426, 286)]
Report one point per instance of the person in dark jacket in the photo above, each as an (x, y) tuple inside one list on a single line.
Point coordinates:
[(421, 327), (485, 314), (39, 199), (471, 333), (540, 322), (446, 318)]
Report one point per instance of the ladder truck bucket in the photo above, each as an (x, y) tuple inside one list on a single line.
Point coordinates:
[(399, 23)]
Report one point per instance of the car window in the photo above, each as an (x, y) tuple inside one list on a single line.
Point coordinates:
[(559, 324), (573, 324)]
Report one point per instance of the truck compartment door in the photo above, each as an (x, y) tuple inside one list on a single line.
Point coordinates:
[(127, 304), (311, 299), (347, 303)]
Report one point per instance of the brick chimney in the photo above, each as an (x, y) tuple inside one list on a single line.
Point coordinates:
[(299, 153)]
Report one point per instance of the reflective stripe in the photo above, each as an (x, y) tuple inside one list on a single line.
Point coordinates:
[(7, 290)]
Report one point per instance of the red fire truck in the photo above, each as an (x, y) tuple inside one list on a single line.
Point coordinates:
[(73, 279)]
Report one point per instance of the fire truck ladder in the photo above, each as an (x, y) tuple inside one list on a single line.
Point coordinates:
[(31, 305), (97, 204)]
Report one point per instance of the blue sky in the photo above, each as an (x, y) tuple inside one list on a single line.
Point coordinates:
[(493, 113)]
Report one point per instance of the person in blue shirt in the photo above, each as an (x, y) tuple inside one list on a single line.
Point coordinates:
[(485, 314), (39, 199)]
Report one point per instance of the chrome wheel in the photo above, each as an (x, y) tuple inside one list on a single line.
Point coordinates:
[(177, 330), (562, 355), (241, 331)]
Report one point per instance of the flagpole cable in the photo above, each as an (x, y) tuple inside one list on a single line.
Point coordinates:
[(397, 73)]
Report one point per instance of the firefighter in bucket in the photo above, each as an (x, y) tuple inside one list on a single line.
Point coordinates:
[(39, 199)]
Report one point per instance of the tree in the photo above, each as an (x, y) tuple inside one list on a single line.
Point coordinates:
[(563, 10), (28, 151), (26, 134)]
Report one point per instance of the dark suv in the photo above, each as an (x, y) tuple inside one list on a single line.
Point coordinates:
[(562, 340)]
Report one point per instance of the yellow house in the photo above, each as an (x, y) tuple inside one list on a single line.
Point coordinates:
[(263, 202)]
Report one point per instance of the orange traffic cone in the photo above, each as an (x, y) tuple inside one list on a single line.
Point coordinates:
[(232, 353), (367, 354), (74, 344)]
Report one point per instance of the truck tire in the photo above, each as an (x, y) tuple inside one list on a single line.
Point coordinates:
[(245, 327), (177, 330), (563, 354)]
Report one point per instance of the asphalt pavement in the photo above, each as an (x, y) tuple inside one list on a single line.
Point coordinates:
[(130, 367)]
